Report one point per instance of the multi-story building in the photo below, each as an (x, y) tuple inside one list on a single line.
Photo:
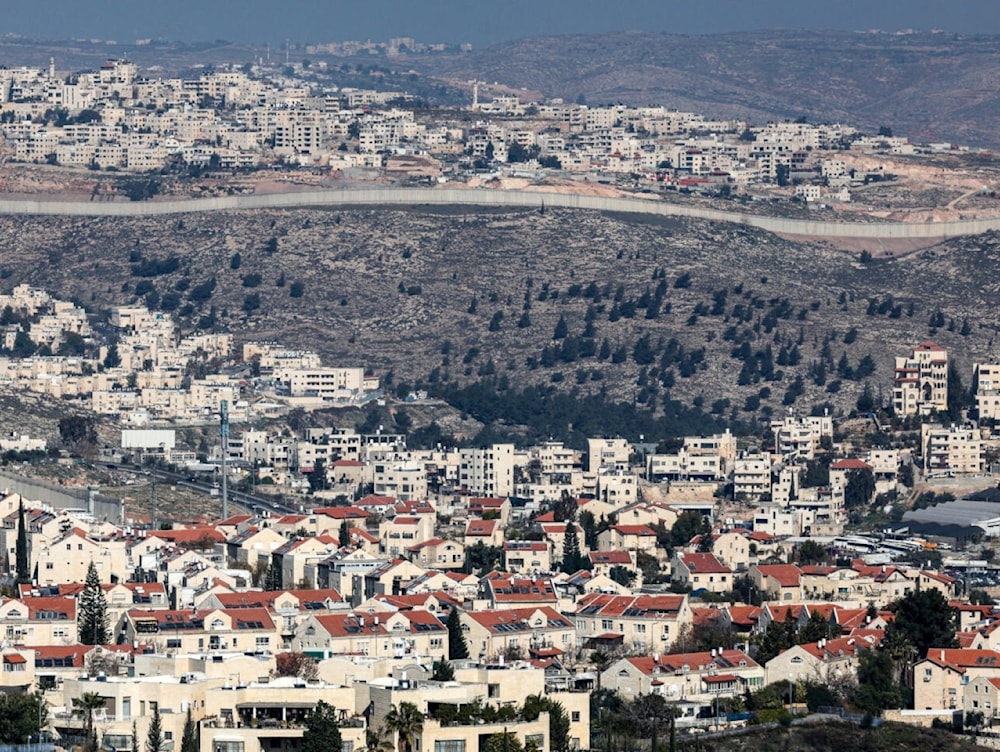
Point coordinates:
[(488, 471), (920, 384), (952, 449)]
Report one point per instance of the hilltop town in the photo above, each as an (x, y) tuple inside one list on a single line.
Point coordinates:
[(266, 128)]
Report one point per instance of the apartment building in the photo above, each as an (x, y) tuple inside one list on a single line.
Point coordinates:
[(488, 471), (952, 450), (920, 382)]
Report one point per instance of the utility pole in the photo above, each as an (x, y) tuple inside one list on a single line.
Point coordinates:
[(224, 438), (156, 515)]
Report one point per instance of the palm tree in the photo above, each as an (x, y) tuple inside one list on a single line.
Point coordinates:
[(84, 707), (406, 721), (375, 740)]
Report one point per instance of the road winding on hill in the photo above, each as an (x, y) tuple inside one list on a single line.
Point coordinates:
[(493, 198)]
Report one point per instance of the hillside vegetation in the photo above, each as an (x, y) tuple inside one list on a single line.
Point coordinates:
[(698, 322)]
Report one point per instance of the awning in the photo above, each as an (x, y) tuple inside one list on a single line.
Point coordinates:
[(274, 705), (720, 679)]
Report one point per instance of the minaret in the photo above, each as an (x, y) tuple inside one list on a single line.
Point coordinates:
[(52, 68)]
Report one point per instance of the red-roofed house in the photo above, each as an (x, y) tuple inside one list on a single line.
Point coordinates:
[(387, 635), (505, 591), (438, 553), (525, 556), (779, 581), (701, 571), (238, 629), (17, 670), (487, 532), (628, 538), (404, 531), (982, 695), (940, 679), (490, 634), (636, 622), (822, 662), (487, 507), (602, 562), (693, 680)]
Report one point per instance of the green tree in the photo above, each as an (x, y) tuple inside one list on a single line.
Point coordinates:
[(458, 650), (189, 739), (22, 716), (443, 671), (573, 560), (22, 560), (344, 535), (860, 488), (780, 635), (811, 552), (112, 359), (687, 526), (321, 733), (926, 620), (317, 478), (535, 705), (877, 689), (92, 611), (406, 721), (376, 741), (506, 741), (817, 628), (84, 707), (154, 736)]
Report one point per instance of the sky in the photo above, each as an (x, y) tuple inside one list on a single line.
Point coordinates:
[(475, 21)]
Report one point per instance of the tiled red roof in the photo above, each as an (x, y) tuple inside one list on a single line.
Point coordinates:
[(611, 557), (481, 527), (694, 661), (786, 575)]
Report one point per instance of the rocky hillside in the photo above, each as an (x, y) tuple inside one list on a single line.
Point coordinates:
[(735, 321)]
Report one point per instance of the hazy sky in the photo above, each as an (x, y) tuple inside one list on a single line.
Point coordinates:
[(473, 21)]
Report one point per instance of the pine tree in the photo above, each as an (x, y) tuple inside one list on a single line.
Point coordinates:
[(457, 649), (189, 739), (23, 564), (345, 535), (154, 737), (92, 611), (321, 734), (572, 559)]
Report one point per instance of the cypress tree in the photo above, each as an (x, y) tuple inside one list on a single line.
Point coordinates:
[(572, 559), (457, 649), (189, 739), (154, 737), (92, 611), (22, 562)]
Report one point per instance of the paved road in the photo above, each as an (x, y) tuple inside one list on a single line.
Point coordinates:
[(486, 197)]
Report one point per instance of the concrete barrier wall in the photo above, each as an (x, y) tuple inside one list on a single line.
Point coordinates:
[(486, 197), (58, 497)]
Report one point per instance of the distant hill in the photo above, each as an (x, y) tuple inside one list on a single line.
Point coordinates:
[(928, 86)]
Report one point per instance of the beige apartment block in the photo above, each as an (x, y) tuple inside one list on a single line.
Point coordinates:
[(920, 383), (952, 450)]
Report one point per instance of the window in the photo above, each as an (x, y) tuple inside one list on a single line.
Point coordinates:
[(575, 716), (450, 745), (436, 643), (228, 747), (174, 642), (640, 628), (262, 643), (493, 691)]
